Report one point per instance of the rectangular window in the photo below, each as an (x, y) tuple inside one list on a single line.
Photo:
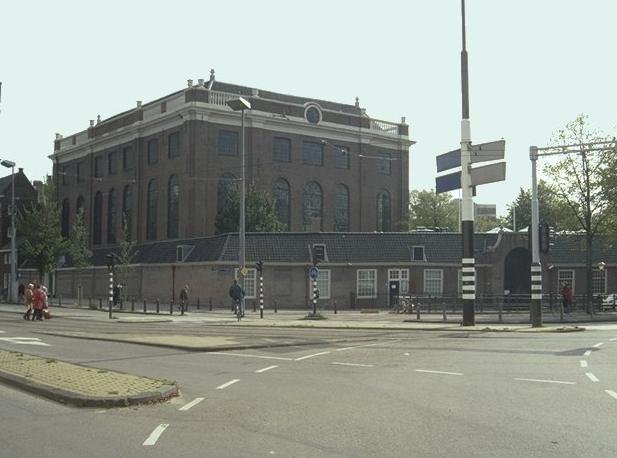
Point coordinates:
[(341, 157), (312, 153), (228, 143), (81, 172), (112, 162), (598, 282), (173, 145), (565, 275), (98, 166), (128, 159), (281, 149), (153, 151), (383, 164), (418, 253), (402, 276), (433, 281), (323, 283), (66, 175), (366, 284)]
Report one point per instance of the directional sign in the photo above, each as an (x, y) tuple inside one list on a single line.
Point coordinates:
[(491, 151), (313, 273), (488, 173), (448, 182)]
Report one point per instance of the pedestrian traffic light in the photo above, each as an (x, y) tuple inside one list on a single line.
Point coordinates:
[(319, 254), (259, 265), (110, 261)]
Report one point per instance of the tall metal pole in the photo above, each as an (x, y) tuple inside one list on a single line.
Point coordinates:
[(242, 248), (536, 267), (467, 230), (14, 297)]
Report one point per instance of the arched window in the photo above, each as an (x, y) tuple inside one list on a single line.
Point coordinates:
[(311, 207), (383, 211), (151, 209), (341, 208), (226, 180), (280, 193), (112, 216), (97, 223), (65, 218), (173, 207), (127, 212)]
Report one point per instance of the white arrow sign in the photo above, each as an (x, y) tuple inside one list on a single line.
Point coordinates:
[(24, 341)]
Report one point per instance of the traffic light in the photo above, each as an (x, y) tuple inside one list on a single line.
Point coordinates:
[(110, 261), (259, 265), (547, 237), (319, 254)]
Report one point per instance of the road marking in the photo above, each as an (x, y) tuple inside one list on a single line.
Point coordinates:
[(312, 356), (544, 381), (353, 364), (598, 345), (613, 339), (357, 346), (193, 403), (592, 377), (265, 369), (225, 385), (612, 393), (439, 372), (222, 353), (587, 353), (583, 363), (24, 341), (152, 438)]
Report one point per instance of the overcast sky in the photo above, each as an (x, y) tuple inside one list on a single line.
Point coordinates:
[(533, 67)]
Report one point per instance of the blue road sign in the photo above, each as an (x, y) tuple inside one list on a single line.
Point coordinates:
[(313, 272)]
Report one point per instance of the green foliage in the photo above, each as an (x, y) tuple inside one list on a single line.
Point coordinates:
[(128, 251), (39, 228), (260, 212), (432, 210), (78, 245)]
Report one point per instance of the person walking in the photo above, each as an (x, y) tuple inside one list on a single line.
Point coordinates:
[(566, 297), (28, 296), (237, 294), (184, 298), (37, 303)]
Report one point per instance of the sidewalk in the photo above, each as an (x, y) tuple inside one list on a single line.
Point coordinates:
[(88, 387)]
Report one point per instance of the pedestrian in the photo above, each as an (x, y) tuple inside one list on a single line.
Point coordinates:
[(28, 296), (116, 293), (566, 296), (45, 310), (20, 291), (237, 294), (37, 302), (184, 298)]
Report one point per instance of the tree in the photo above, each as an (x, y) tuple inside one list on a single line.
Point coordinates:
[(78, 250), (428, 209), (260, 213), (39, 226), (128, 251), (585, 180)]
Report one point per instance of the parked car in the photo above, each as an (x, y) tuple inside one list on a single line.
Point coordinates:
[(610, 300)]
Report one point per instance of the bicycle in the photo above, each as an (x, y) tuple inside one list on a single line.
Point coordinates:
[(237, 309)]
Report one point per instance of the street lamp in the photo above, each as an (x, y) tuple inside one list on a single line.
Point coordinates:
[(13, 282), (241, 104)]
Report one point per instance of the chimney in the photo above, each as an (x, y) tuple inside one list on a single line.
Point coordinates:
[(189, 83)]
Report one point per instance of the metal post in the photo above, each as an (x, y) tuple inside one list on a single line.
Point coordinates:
[(315, 296), (261, 295), (536, 268), (111, 289), (467, 230)]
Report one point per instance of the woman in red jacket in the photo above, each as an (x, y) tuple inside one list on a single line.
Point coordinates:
[(37, 303)]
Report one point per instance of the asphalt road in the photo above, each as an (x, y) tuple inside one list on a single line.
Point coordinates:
[(335, 393)]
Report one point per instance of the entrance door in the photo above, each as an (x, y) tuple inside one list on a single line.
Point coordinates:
[(394, 288)]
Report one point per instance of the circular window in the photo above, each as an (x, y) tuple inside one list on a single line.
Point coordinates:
[(313, 115)]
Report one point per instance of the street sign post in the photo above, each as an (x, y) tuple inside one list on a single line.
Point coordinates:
[(313, 273)]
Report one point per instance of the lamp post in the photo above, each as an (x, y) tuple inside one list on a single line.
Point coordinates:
[(13, 282), (241, 104)]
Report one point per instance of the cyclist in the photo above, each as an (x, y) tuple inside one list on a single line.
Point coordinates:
[(237, 294)]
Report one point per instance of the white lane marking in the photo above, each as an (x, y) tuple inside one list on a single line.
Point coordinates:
[(312, 356), (598, 344), (353, 364), (278, 358), (439, 372), (612, 393), (592, 377), (613, 339), (24, 341), (152, 438), (265, 369), (193, 403), (583, 363), (587, 353), (358, 346), (544, 381), (225, 385)]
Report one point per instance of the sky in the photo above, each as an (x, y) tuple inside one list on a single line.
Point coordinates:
[(534, 66)]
